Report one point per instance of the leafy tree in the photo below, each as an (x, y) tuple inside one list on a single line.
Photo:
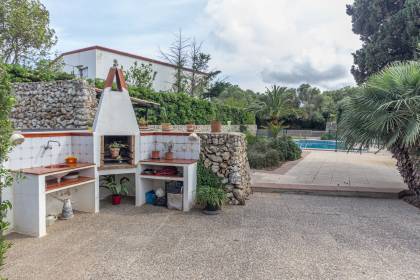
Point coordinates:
[(386, 112), (233, 95), (199, 64), (216, 89), (389, 30), (310, 99), (6, 179), (178, 56), (332, 100), (25, 35), (141, 76)]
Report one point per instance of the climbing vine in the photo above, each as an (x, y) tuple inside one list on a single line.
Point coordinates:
[(6, 130)]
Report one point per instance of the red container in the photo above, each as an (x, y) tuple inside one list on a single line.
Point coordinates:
[(116, 199)]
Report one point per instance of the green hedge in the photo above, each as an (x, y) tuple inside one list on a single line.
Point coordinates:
[(266, 152), (20, 74), (182, 108)]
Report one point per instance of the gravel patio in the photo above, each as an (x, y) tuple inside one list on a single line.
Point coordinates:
[(275, 236)]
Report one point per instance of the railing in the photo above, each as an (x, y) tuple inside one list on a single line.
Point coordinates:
[(303, 133)]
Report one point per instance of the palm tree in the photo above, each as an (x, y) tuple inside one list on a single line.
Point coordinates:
[(386, 112), (274, 104)]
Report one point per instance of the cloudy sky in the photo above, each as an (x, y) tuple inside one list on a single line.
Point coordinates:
[(254, 43)]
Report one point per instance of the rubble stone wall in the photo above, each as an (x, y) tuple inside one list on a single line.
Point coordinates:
[(54, 105), (225, 154)]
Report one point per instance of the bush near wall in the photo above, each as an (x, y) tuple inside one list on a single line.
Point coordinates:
[(266, 152), (20, 74), (182, 108)]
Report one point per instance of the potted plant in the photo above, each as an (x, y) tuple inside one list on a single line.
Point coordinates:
[(115, 148), (117, 188), (190, 126), (166, 125), (212, 198), (169, 155), (143, 123), (216, 125), (155, 152)]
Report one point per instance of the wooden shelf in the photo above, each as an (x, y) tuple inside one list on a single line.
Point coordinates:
[(160, 177), (53, 186), (116, 166), (172, 162)]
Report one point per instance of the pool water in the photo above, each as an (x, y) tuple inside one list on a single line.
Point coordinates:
[(319, 144)]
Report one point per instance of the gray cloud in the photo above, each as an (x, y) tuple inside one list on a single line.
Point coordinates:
[(305, 73)]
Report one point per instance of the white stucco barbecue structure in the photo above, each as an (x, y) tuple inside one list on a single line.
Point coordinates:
[(39, 194)]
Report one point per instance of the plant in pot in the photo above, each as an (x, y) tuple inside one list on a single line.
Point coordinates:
[(212, 198), (169, 155), (115, 148), (190, 126), (117, 188), (216, 124), (166, 125), (143, 123), (155, 152)]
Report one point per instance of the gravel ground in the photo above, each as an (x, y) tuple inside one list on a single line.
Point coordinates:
[(275, 236)]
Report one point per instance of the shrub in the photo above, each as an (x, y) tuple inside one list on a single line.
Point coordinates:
[(328, 136), (210, 196), (266, 159), (264, 152), (44, 71), (251, 139), (6, 178), (209, 187), (286, 147), (205, 177)]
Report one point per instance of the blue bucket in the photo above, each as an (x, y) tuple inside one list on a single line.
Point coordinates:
[(150, 197)]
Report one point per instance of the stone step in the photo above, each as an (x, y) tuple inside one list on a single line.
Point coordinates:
[(347, 191)]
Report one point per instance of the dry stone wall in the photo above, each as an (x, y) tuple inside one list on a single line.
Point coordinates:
[(54, 105), (225, 154)]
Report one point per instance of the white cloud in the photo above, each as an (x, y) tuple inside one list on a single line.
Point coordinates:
[(254, 43), (251, 38)]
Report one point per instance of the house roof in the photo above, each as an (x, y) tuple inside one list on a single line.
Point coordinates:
[(129, 55)]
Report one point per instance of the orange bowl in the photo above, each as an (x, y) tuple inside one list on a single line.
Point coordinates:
[(71, 160)]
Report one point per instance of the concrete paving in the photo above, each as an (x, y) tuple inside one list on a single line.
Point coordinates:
[(275, 236), (335, 170)]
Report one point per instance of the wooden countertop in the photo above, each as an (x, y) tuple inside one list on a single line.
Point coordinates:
[(169, 161), (56, 168)]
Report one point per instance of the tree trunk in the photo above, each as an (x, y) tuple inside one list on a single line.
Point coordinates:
[(408, 164)]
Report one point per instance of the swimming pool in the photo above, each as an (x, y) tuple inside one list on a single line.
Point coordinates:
[(319, 144)]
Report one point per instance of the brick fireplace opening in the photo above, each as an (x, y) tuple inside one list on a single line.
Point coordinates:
[(126, 153)]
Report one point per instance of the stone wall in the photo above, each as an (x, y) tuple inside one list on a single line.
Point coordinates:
[(54, 105), (225, 155)]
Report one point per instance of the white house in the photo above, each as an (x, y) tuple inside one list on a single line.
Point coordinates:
[(93, 62)]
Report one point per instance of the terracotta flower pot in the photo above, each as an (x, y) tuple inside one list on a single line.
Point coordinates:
[(216, 126), (116, 199), (155, 155), (115, 152), (190, 127), (166, 127), (169, 155)]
